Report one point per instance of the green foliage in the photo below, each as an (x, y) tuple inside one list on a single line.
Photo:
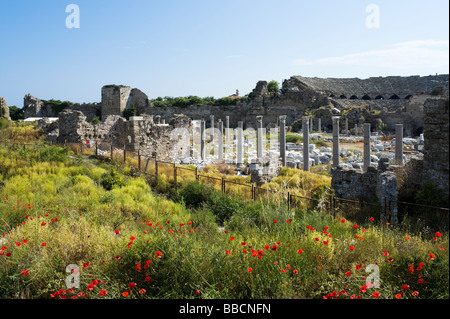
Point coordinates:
[(112, 179), (273, 87), (127, 113), (431, 196), (195, 194), (57, 105), (294, 139), (16, 113)]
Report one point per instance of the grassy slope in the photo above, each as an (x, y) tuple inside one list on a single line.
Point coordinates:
[(49, 198)]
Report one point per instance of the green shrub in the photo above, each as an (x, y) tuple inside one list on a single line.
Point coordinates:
[(224, 206), (195, 194), (111, 179)]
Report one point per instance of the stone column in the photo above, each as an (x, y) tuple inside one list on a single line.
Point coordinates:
[(399, 144), (220, 137), (227, 129), (203, 140), (212, 127), (336, 150), (240, 144), (319, 125), (356, 129), (366, 146), (259, 136), (306, 143), (283, 140), (158, 119), (163, 121)]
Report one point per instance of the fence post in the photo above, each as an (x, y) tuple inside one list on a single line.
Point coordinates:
[(175, 174), (124, 153), (96, 148), (253, 192), (112, 152), (156, 167), (146, 165), (139, 160), (289, 201), (196, 174)]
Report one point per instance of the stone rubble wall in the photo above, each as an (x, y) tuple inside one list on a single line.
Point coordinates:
[(4, 109), (436, 143)]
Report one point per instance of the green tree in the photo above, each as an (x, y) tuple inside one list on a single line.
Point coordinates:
[(16, 113), (273, 87)]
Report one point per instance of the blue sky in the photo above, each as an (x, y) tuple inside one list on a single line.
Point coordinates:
[(209, 47)]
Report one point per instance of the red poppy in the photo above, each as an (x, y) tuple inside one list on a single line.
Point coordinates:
[(275, 221), (352, 247), (295, 271), (103, 292), (431, 256), (376, 295), (385, 253), (231, 238), (125, 294), (132, 285), (25, 272), (343, 220), (158, 254), (405, 287), (117, 231), (355, 226), (147, 279), (358, 267), (85, 265), (420, 281), (249, 269), (438, 234), (348, 273), (371, 219), (299, 251), (44, 244)]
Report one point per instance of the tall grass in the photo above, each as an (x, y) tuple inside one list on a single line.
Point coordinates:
[(131, 242)]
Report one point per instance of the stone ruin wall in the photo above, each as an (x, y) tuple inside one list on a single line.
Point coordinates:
[(4, 109), (436, 144), (137, 134)]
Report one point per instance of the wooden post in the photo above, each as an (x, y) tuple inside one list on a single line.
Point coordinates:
[(96, 148), (175, 174), (253, 192), (289, 201), (156, 166), (112, 152), (139, 160), (223, 185), (124, 154), (196, 174), (146, 165)]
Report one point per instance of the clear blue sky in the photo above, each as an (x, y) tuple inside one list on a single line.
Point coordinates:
[(209, 47)]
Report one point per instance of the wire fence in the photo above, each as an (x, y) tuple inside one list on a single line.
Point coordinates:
[(414, 217)]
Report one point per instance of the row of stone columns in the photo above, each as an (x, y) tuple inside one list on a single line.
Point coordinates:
[(307, 121)]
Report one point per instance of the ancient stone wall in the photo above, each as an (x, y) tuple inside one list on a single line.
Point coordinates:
[(436, 143), (4, 109), (137, 134)]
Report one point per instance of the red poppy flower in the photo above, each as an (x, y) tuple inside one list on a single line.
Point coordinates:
[(231, 238), (348, 273), (376, 295), (343, 220), (117, 231), (431, 256), (132, 285), (355, 226), (295, 271), (299, 251), (44, 244), (85, 265), (358, 267), (125, 294), (249, 269), (352, 247), (25, 272), (398, 296), (371, 219), (438, 234), (385, 253), (103, 292), (158, 254), (405, 287), (420, 281), (147, 279), (275, 221)]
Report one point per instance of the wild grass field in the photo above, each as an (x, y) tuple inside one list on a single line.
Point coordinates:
[(65, 216)]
